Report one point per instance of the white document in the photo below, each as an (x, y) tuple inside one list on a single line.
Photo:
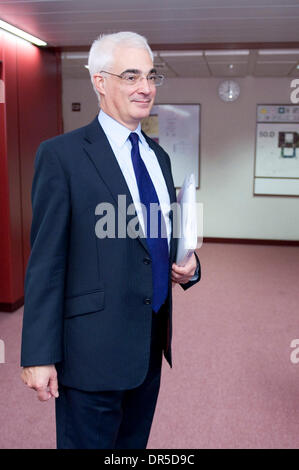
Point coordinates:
[(187, 242)]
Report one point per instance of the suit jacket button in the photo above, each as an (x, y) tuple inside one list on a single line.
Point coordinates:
[(147, 301), (146, 260)]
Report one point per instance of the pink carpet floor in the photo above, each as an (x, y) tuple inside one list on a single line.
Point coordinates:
[(233, 384)]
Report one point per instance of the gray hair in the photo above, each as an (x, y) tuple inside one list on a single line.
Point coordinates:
[(102, 50)]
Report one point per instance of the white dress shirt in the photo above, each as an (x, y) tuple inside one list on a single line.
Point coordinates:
[(118, 137)]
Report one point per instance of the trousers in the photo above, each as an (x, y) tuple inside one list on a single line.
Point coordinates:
[(112, 419)]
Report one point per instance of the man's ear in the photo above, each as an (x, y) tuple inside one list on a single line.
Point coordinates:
[(99, 84)]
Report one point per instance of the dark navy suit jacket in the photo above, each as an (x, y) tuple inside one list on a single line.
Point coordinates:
[(87, 300)]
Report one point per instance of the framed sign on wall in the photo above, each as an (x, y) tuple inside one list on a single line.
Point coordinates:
[(176, 127), (277, 150)]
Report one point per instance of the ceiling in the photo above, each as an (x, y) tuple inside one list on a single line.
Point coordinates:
[(204, 64), (201, 27), (78, 22)]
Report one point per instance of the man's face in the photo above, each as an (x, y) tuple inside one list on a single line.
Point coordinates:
[(126, 103)]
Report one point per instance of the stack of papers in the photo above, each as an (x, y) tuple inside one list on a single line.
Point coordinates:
[(187, 242)]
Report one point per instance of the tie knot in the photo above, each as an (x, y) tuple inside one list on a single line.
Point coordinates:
[(134, 138)]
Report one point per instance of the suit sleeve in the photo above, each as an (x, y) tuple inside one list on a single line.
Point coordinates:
[(42, 333), (191, 283)]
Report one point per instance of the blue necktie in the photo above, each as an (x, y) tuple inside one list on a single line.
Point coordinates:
[(155, 226)]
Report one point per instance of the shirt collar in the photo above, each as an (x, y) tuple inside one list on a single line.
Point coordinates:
[(116, 131)]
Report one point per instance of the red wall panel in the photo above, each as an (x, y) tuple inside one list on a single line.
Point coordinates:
[(38, 118), (5, 248), (31, 113), (13, 167)]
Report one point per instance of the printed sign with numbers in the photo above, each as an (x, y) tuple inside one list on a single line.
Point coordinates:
[(277, 150)]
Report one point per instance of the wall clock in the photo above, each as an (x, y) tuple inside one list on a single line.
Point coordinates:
[(229, 90)]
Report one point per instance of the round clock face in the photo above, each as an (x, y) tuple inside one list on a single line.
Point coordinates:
[(229, 90)]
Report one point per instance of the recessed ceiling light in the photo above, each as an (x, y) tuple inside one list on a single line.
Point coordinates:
[(22, 34), (180, 54), (75, 55), (228, 52), (278, 51)]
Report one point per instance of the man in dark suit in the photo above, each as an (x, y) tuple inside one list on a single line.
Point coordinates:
[(98, 305)]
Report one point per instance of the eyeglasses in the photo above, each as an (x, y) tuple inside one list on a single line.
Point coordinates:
[(132, 78)]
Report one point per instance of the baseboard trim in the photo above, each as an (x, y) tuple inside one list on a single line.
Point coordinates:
[(11, 307), (251, 241)]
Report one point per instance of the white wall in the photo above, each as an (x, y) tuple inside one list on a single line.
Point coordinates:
[(227, 153)]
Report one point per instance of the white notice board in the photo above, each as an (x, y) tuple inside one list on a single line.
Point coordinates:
[(176, 127), (277, 150)]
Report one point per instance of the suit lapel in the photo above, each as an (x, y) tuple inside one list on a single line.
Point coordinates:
[(100, 153)]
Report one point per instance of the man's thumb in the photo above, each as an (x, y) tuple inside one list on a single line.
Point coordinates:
[(53, 387)]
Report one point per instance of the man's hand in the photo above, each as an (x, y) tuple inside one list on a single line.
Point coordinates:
[(43, 379), (183, 274)]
